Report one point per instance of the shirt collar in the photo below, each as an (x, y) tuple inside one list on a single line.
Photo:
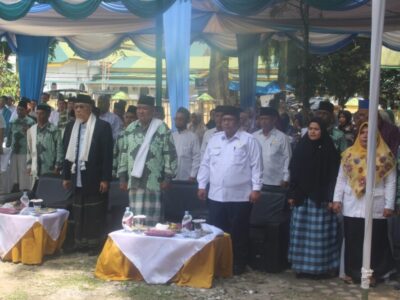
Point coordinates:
[(272, 132), (235, 136)]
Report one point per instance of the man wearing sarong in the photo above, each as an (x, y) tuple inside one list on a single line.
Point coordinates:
[(148, 161), (129, 117), (87, 167), (16, 139), (45, 153)]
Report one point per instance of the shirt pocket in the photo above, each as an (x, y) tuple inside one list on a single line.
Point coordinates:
[(215, 154), (239, 155), (273, 148)]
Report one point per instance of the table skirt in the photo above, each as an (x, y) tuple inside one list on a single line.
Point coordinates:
[(34, 245), (214, 260)]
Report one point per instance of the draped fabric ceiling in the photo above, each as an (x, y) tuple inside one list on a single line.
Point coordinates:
[(103, 25), (95, 28)]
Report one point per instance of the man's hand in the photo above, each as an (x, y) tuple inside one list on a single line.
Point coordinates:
[(284, 184), (255, 196), (103, 186), (202, 194), (123, 186), (387, 212), (28, 171), (337, 207), (192, 179), (165, 185), (291, 202), (67, 184)]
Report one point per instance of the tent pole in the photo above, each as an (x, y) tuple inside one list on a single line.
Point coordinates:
[(159, 71), (378, 16)]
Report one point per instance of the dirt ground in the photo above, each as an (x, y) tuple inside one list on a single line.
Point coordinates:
[(71, 277)]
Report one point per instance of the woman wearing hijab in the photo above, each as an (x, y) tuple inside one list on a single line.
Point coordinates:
[(349, 198), (346, 126), (313, 249)]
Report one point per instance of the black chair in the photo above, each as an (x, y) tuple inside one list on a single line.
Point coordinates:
[(269, 231), (272, 207), (50, 189), (10, 197), (118, 200), (180, 197)]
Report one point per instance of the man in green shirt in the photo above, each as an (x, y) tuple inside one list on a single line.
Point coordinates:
[(16, 139), (129, 117), (45, 153), (148, 161), (325, 112)]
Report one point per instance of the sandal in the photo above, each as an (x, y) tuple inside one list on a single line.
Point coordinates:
[(372, 281), (348, 280)]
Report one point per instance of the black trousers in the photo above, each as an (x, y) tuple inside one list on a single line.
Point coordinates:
[(381, 256), (233, 218)]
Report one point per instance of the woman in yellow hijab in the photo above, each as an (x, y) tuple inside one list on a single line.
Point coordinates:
[(349, 199)]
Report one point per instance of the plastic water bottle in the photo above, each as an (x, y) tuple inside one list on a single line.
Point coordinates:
[(186, 224), (127, 220), (24, 199)]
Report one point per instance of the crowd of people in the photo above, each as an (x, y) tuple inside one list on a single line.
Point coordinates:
[(319, 157)]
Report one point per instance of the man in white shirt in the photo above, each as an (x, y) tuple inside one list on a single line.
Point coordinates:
[(10, 104), (232, 165), (276, 150), (187, 147), (209, 133), (116, 123)]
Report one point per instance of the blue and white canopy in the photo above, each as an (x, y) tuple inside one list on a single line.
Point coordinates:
[(96, 28)]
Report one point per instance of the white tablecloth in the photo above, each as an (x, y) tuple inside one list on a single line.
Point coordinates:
[(158, 259), (14, 227)]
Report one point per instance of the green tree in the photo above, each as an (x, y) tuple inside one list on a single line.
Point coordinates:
[(9, 82), (346, 72), (390, 87)]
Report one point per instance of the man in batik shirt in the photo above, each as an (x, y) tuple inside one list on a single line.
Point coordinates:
[(45, 153), (129, 117), (148, 161), (16, 139)]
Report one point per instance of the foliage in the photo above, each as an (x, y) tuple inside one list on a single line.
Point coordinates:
[(9, 82), (346, 72), (390, 87), (341, 74)]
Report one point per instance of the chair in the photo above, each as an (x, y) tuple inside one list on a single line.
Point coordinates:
[(10, 197), (117, 201), (272, 207), (51, 190), (269, 231), (180, 197)]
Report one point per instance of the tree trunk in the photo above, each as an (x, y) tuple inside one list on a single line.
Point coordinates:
[(218, 80), (304, 89), (283, 65)]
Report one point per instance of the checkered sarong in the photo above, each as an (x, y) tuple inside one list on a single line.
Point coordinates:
[(313, 245), (148, 203)]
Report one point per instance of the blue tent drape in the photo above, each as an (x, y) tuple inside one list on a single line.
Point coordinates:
[(248, 49), (32, 55), (177, 20)]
